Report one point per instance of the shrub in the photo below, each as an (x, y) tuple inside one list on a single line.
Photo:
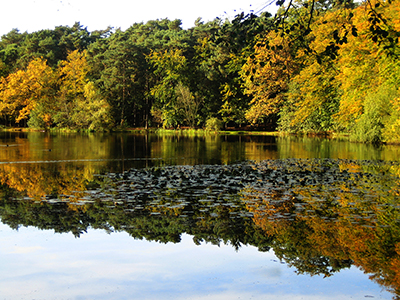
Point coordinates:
[(213, 124)]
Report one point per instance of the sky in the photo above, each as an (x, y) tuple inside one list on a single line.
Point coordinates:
[(34, 15), (39, 264)]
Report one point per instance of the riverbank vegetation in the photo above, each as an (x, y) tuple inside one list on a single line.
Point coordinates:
[(327, 67)]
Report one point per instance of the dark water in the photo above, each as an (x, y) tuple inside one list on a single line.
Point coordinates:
[(125, 216)]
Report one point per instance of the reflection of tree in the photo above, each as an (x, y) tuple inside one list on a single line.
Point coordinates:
[(321, 228), (294, 240), (39, 173), (320, 216), (216, 223), (37, 183), (212, 148)]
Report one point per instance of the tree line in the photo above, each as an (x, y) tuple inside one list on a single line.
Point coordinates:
[(316, 67)]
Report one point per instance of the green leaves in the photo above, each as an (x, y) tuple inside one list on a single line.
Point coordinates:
[(220, 69)]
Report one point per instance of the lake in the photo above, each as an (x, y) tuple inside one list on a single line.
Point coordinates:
[(147, 216)]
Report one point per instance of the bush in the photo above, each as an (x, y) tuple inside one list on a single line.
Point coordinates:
[(213, 124), (38, 119)]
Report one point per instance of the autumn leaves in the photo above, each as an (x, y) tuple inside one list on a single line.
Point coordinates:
[(341, 76), (325, 68), (62, 97)]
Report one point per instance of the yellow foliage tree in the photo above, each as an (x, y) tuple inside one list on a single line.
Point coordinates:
[(92, 111), (72, 75), (313, 91), (266, 76), (79, 103), (364, 65), (64, 97), (23, 90)]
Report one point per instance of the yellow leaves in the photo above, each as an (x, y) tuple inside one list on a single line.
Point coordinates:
[(310, 90), (91, 111), (89, 90), (47, 119), (363, 67), (323, 29), (20, 92), (64, 97), (72, 77), (395, 13), (396, 103), (169, 61), (73, 72), (266, 76), (203, 48), (391, 132), (261, 109), (323, 80)]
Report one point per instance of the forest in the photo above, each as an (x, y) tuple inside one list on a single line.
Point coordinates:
[(317, 67)]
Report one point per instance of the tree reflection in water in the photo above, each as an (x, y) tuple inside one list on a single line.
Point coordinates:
[(318, 215)]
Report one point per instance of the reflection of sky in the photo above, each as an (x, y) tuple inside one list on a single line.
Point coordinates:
[(42, 265)]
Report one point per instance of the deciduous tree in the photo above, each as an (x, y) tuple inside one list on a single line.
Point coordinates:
[(23, 91)]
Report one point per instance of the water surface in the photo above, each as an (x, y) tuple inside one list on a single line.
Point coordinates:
[(122, 216)]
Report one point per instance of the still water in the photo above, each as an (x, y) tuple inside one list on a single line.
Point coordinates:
[(128, 216)]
